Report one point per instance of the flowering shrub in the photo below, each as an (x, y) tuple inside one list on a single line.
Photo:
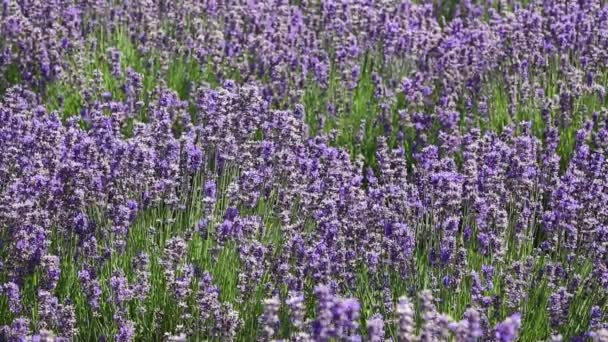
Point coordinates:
[(303, 170)]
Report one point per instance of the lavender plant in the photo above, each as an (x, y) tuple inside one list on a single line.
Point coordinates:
[(303, 170)]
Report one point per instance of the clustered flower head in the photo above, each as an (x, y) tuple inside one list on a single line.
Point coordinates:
[(303, 170)]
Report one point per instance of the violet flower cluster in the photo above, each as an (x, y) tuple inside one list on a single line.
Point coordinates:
[(311, 170)]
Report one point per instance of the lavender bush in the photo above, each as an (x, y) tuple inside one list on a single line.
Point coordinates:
[(304, 170)]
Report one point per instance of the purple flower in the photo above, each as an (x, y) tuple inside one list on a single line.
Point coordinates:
[(17, 331), (297, 311), (375, 326), (269, 320), (11, 291), (508, 330), (52, 270), (407, 323), (91, 288), (57, 316), (336, 317), (121, 290), (126, 332), (141, 266)]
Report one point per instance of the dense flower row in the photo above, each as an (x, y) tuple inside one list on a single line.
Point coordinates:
[(480, 215), (54, 174)]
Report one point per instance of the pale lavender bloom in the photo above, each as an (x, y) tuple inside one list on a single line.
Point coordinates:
[(17, 331), (508, 330), (269, 320), (375, 325), (126, 331), (11, 291), (52, 270), (407, 323)]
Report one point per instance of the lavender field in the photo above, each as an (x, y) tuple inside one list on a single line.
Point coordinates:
[(303, 170)]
